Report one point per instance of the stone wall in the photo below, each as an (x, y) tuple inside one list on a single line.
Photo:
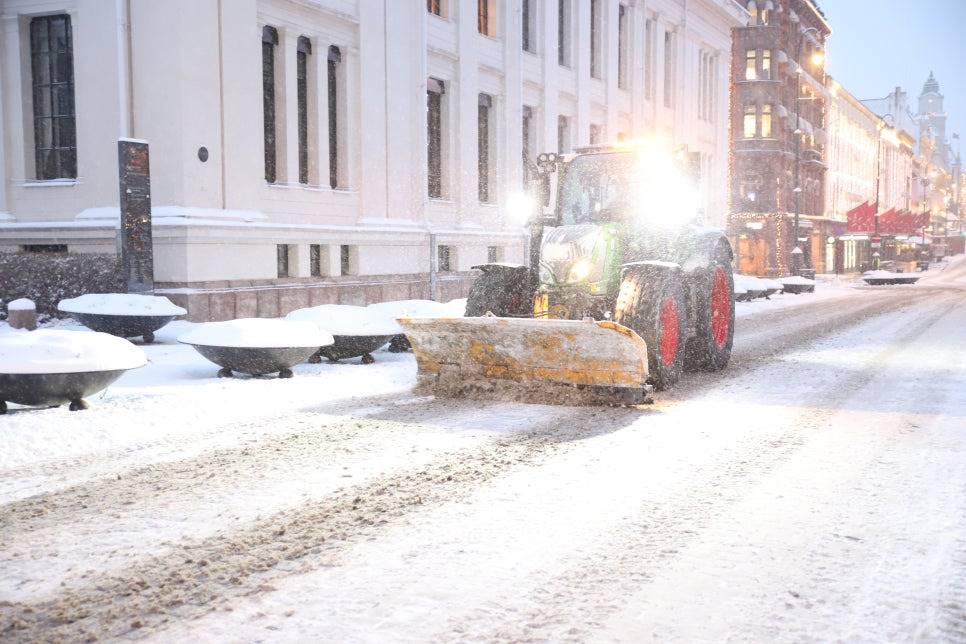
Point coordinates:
[(207, 303)]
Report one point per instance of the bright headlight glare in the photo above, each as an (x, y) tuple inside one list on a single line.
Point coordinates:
[(579, 271), (666, 198), (520, 208)]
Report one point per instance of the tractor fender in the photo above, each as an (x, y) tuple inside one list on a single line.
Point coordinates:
[(700, 249), (650, 265), (507, 267)]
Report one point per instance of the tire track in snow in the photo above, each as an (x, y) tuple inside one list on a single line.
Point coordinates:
[(198, 576), (655, 537), (156, 590)]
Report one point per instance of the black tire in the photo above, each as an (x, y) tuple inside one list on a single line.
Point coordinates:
[(714, 317), (651, 302), (504, 293)]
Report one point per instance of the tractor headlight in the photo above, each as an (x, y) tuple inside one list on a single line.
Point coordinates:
[(580, 271)]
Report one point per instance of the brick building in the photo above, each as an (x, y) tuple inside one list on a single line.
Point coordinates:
[(778, 114)]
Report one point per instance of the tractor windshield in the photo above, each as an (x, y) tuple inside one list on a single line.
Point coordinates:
[(598, 188)]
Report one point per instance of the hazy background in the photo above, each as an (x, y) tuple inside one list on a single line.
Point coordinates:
[(878, 44)]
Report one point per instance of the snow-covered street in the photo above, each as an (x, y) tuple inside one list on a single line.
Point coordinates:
[(813, 491)]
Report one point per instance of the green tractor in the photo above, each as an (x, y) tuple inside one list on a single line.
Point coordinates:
[(624, 289)]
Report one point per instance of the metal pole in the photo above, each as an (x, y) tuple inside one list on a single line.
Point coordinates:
[(433, 265), (797, 133)]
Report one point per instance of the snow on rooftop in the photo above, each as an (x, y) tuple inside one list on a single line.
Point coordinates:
[(58, 351), (120, 304), (261, 333)]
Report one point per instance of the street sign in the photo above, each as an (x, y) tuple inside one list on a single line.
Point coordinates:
[(137, 248), (875, 242)]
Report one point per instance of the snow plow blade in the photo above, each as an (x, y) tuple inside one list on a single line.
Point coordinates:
[(536, 360)]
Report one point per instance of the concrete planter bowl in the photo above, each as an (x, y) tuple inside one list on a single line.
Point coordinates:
[(54, 389), (124, 326), (357, 331), (255, 361), (256, 346), (885, 278), (122, 314), (346, 347), (49, 368)]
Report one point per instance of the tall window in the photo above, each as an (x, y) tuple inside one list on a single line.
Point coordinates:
[(526, 127), (315, 260), (563, 32), (282, 260), (335, 57), (434, 131), (595, 134), (670, 68), (563, 134), (766, 64), (595, 38), (483, 146), (649, 70), (751, 64), (269, 41), (303, 50), (750, 122), (707, 69), (529, 25), (766, 121), (435, 7), (483, 17), (622, 46), (52, 64)]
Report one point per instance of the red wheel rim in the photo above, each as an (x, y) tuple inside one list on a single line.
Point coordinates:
[(669, 331), (720, 307)]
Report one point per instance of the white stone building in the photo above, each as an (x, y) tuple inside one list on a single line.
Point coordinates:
[(308, 151)]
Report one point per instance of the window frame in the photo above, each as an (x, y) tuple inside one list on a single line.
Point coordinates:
[(435, 89), (596, 39), (623, 45), (58, 141), (484, 140), (302, 52), (334, 114), (269, 102)]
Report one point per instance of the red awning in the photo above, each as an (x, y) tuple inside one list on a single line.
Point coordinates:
[(860, 219)]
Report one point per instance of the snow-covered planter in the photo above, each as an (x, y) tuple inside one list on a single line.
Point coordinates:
[(416, 309), (881, 278), (797, 284), (52, 367), (256, 346), (357, 330), (749, 287), (126, 315)]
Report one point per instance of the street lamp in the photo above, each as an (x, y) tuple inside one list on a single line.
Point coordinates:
[(817, 59)]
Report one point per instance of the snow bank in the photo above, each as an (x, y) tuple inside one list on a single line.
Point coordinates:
[(457, 307), (344, 319), (257, 333), (120, 304), (797, 280), (56, 351), (23, 304)]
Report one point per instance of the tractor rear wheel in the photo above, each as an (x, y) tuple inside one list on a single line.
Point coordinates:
[(651, 302), (714, 318)]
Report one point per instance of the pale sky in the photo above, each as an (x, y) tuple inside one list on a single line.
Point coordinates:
[(878, 44)]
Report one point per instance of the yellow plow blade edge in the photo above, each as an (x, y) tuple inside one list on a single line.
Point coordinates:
[(546, 357)]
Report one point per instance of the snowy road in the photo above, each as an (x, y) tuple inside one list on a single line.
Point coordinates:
[(814, 491)]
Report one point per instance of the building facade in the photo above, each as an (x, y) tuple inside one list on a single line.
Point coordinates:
[(871, 160), (310, 151), (777, 138)]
